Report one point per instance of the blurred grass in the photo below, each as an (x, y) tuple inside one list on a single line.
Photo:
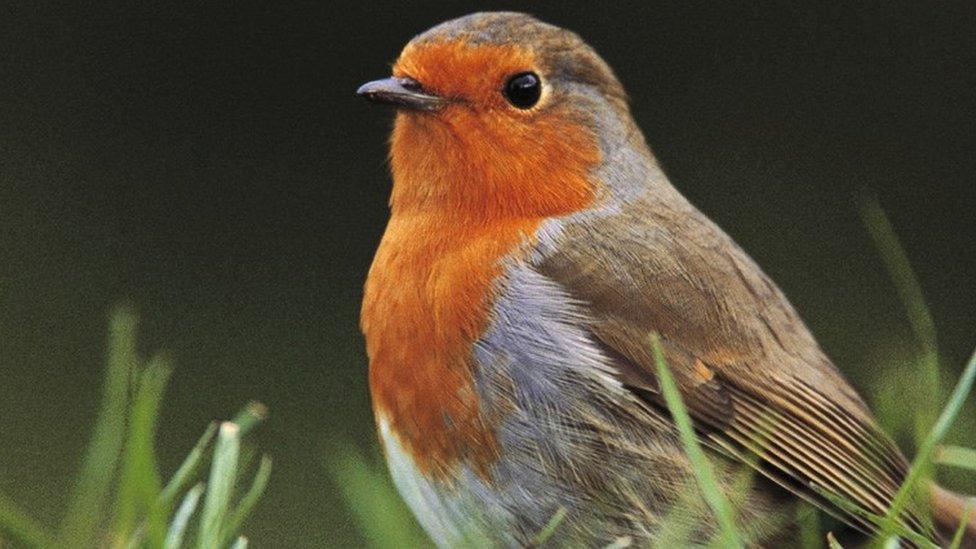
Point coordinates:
[(704, 474), (930, 431), (373, 502), (956, 541), (118, 499), (93, 482), (955, 456), (549, 529)]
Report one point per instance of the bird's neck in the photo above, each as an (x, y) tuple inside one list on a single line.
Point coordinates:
[(455, 162)]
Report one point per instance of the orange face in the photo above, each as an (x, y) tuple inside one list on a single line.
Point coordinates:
[(480, 152)]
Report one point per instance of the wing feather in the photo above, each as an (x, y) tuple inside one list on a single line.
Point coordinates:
[(752, 376), (811, 444)]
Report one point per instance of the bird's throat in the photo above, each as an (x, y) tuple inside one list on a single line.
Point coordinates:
[(491, 165)]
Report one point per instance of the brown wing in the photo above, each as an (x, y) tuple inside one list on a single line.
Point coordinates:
[(752, 376)]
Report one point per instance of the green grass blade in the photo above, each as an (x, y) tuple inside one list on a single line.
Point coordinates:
[(250, 416), (832, 542), (678, 525), (86, 505), (136, 540), (900, 270), (140, 483), (882, 522), (240, 543), (704, 474), (223, 474), (245, 459), (892, 543), (177, 528), (550, 528), (185, 472), (808, 521), (910, 291), (21, 526), (382, 517), (250, 499), (967, 515), (621, 543), (923, 458), (929, 390), (956, 456), (181, 479)]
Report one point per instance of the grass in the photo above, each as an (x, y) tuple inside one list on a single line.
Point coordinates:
[(118, 498), (923, 459), (956, 541), (928, 433), (955, 456), (549, 529), (704, 474), (382, 517)]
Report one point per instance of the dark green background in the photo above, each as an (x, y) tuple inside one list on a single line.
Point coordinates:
[(211, 164)]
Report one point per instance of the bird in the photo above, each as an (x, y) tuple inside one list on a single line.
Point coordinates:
[(534, 250)]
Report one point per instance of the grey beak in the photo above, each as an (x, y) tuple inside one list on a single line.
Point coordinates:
[(401, 92)]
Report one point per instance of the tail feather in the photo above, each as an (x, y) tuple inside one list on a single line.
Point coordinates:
[(948, 511)]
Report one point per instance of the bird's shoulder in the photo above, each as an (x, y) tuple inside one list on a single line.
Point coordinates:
[(656, 263)]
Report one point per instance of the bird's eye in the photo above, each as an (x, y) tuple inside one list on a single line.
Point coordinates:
[(523, 90)]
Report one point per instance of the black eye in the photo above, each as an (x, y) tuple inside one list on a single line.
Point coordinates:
[(523, 90)]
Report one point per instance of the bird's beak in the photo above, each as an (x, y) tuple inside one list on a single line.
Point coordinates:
[(405, 93)]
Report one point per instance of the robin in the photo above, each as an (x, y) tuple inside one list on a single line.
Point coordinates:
[(533, 247)]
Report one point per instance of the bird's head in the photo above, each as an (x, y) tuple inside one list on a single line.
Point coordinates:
[(501, 114)]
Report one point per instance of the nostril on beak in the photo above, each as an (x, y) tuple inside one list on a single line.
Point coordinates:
[(411, 84)]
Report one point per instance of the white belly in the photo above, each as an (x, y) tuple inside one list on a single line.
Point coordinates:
[(450, 517)]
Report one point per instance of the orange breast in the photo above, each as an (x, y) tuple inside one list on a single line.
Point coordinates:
[(426, 302)]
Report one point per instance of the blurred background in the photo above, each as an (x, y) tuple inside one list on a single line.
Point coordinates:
[(210, 163)]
